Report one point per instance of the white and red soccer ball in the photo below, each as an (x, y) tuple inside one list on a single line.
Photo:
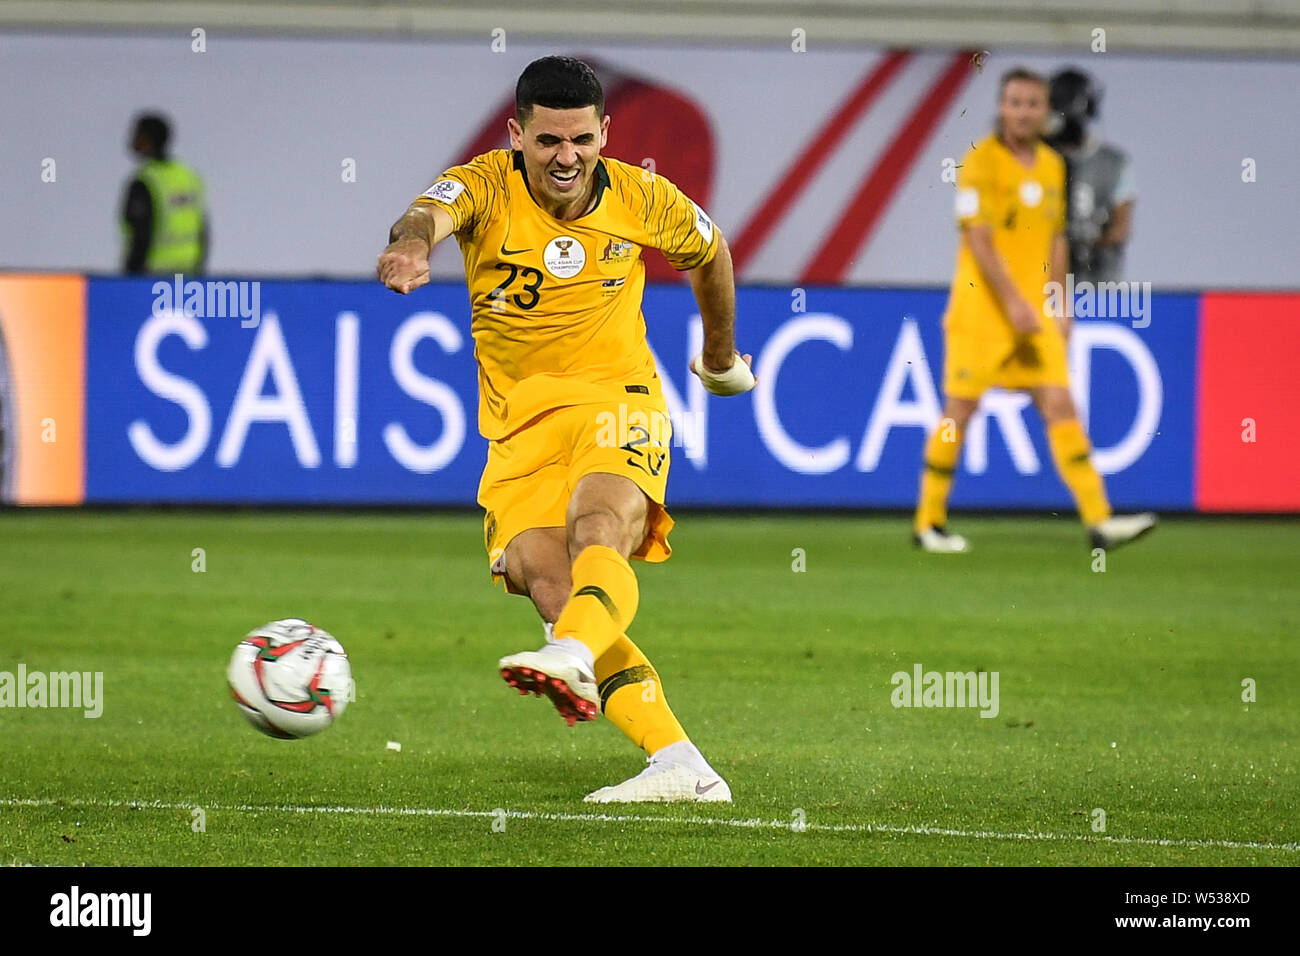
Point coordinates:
[(290, 679)]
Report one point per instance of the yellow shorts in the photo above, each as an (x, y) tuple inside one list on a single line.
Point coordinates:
[(976, 360), (531, 474)]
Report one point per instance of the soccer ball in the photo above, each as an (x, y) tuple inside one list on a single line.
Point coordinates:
[(290, 679)]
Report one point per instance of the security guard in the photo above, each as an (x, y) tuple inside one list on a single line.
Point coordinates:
[(164, 222)]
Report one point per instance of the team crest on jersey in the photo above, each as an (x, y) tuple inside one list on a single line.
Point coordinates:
[(1031, 193), (564, 257), (617, 251)]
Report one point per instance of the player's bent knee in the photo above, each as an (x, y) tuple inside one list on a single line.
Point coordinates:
[(607, 527), (607, 510)]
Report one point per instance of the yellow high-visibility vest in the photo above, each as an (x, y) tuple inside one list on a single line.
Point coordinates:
[(177, 194)]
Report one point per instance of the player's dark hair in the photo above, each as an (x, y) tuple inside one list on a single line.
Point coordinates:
[(558, 83), (155, 129), (1020, 73)]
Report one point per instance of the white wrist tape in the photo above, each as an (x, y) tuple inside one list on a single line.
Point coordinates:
[(733, 381)]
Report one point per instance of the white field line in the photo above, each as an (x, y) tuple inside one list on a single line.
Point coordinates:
[(752, 824)]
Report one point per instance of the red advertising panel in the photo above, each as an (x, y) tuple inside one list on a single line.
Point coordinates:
[(1248, 415)]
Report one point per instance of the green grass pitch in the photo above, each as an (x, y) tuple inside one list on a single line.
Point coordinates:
[(1118, 690)]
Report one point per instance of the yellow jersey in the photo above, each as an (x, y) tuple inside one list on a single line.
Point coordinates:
[(1024, 206), (556, 304)]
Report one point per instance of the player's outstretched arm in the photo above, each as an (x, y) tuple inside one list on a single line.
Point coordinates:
[(404, 264), (714, 285)]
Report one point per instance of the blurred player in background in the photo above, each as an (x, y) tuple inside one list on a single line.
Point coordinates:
[(997, 328), (1099, 177), (164, 222), (570, 401)]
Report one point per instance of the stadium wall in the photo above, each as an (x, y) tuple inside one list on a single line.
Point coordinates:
[(1250, 25), (117, 391), (832, 166)]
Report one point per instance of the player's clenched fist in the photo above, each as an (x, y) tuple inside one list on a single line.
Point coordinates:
[(733, 381), (404, 265)]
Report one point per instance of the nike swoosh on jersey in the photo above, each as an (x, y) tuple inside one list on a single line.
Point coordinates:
[(513, 252)]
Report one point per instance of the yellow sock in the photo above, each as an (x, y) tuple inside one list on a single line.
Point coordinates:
[(940, 463), (1070, 451), (603, 600), (632, 697)]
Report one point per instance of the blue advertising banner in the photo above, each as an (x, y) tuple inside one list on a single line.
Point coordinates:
[(327, 392)]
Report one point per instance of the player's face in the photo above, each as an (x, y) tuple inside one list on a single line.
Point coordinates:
[(1022, 110), (560, 149)]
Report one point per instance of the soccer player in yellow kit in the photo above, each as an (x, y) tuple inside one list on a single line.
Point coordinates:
[(998, 329), (570, 401)]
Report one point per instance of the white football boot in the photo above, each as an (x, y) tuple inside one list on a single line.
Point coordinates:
[(1121, 529), (938, 540), (563, 677), (676, 774)]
